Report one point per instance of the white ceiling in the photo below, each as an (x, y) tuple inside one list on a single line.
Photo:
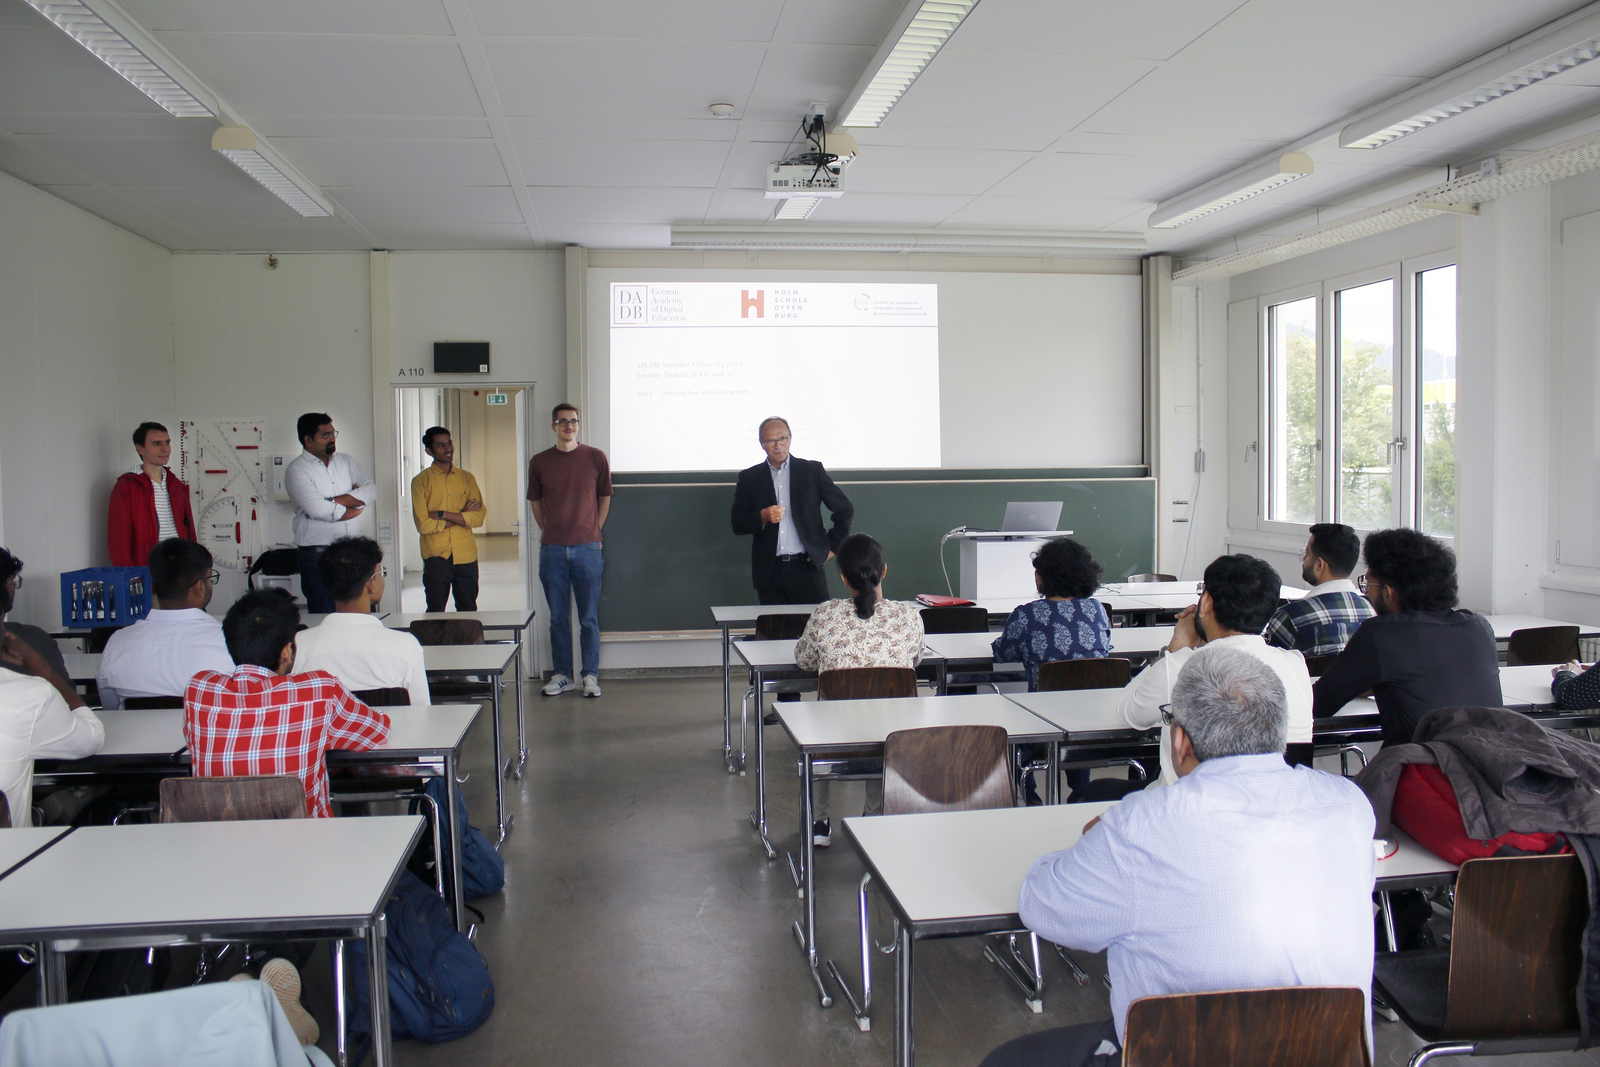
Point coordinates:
[(536, 123)]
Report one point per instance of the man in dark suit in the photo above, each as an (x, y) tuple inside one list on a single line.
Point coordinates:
[(780, 503)]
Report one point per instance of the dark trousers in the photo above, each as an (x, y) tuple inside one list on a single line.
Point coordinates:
[(318, 600), (1070, 1046), (794, 581), (442, 576)]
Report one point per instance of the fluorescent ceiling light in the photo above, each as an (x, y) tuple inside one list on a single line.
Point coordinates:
[(1230, 189), (115, 48), (1574, 41), (779, 238), (239, 145), (921, 30), (797, 208)]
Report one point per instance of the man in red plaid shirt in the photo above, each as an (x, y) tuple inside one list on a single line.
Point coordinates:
[(264, 720)]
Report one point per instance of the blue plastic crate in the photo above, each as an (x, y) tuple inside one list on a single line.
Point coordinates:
[(105, 596)]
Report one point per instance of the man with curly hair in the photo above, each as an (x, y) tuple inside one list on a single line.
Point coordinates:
[(1419, 652)]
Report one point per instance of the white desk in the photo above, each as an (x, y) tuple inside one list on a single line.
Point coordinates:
[(727, 617), (19, 843), (764, 658), (1131, 641), (1506, 625), (822, 728), (1526, 687), (175, 883), (460, 662), (81, 666)]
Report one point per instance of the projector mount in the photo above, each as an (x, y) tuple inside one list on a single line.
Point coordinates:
[(808, 167)]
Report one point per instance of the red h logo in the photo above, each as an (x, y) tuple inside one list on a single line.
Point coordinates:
[(746, 302)]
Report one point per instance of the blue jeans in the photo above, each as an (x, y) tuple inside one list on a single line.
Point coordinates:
[(568, 572)]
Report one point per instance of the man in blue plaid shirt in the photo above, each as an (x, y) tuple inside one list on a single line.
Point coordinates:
[(1321, 622)]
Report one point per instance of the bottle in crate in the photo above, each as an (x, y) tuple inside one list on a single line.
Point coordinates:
[(105, 596)]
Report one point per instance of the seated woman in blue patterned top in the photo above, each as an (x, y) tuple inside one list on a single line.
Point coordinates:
[(1068, 623)]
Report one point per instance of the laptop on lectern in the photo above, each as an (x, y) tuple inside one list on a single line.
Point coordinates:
[(1031, 516)]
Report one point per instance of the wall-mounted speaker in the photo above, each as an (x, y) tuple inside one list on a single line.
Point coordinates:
[(461, 357)]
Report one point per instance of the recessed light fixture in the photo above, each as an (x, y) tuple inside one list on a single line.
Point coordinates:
[(1565, 44), (776, 237), (1250, 180), (126, 50), (921, 30), (796, 208), (239, 145)]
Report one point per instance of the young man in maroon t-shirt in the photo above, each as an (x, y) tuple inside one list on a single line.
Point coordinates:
[(569, 489)]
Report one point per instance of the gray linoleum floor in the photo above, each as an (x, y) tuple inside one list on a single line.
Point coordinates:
[(641, 924)]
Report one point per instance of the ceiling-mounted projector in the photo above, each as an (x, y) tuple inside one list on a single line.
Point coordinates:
[(785, 180), (816, 169)]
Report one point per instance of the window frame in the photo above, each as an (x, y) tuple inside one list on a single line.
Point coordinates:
[(1410, 268), (1391, 272), (1266, 302)]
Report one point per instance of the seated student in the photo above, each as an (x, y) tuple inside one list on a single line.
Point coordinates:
[(865, 631), (156, 656), (1418, 653), (1322, 621), (41, 717), (1245, 874), (352, 644), (264, 720), (1574, 688), (1066, 623), (1240, 595), (32, 636)]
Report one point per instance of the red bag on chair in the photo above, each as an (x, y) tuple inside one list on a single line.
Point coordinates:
[(1425, 807)]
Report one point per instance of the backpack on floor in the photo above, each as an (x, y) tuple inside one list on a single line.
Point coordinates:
[(439, 987), (483, 870), (1425, 807)]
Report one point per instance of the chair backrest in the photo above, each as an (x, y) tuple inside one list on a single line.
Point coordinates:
[(1308, 1026), (228, 799), (1542, 644), (1516, 948), (955, 620), (151, 703), (1316, 666), (447, 631), (393, 696), (1152, 578), (1111, 673), (866, 683), (99, 635), (780, 627), (946, 768)]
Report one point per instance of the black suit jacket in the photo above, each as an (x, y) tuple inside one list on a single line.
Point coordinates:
[(809, 489)]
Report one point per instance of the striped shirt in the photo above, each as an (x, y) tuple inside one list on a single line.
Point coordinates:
[(259, 722), (1320, 623), (165, 527)]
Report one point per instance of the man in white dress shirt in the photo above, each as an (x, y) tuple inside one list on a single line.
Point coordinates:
[(352, 644), (1246, 873), (156, 656), (1241, 593), (330, 491), (41, 717)]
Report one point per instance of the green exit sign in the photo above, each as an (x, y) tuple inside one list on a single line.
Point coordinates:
[(497, 400)]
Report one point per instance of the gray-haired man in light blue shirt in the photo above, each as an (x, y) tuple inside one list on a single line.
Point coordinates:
[(1245, 874)]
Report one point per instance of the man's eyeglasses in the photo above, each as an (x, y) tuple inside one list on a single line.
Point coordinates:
[(331, 435), (769, 441), (1166, 715), (214, 577), (381, 572), (15, 581), (567, 423), (1361, 583)]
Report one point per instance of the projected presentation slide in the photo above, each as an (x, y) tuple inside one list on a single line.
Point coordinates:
[(695, 366)]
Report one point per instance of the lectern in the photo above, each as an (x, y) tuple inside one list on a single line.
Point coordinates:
[(999, 566)]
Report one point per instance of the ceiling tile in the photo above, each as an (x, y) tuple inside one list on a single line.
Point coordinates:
[(621, 79), (1125, 144), (104, 124), (17, 161), (370, 161), (556, 128), (42, 69), (420, 126), (1130, 29), (681, 164), (206, 205), (175, 238), (602, 236), (646, 20), (612, 207), (463, 237), (888, 209), (293, 16), (909, 136), (864, 22), (323, 236), (987, 90), (108, 204), (143, 160), (1115, 177), (929, 170), (792, 77), (1040, 213), (441, 206)]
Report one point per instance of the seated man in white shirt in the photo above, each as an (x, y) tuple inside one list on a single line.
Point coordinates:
[(41, 717), (1241, 593), (1246, 873), (156, 656), (352, 644)]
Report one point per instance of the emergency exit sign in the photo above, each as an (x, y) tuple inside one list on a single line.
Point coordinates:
[(497, 400)]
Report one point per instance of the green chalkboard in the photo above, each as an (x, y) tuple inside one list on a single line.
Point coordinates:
[(670, 551)]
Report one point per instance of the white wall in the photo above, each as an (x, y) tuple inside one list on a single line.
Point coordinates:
[(87, 351)]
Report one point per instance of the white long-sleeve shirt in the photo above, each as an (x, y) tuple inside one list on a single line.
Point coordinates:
[(156, 656), (364, 654), (1140, 705), (312, 485), (35, 723)]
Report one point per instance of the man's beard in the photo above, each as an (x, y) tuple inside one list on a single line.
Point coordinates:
[(332, 448), (1200, 627)]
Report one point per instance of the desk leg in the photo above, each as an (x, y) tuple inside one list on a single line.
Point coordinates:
[(522, 725), (758, 817), (340, 1006), (1052, 794), (1388, 922), (499, 761), (727, 702), (808, 850), (904, 1003), (52, 975), (378, 985), (452, 797)]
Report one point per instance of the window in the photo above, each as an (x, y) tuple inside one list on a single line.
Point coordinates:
[(1436, 401), (1364, 326), (1292, 444)]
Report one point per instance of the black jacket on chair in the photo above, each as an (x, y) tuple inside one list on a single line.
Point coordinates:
[(809, 489)]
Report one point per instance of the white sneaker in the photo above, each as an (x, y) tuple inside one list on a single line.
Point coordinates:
[(558, 684), (591, 686)]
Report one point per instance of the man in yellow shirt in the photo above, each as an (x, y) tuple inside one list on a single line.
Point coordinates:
[(447, 507)]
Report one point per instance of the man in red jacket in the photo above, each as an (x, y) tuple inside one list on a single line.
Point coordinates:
[(148, 505)]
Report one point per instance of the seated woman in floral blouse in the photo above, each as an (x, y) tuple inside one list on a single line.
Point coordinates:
[(1067, 623), (865, 631)]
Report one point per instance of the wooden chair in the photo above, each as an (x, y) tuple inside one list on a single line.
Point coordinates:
[(1308, 1026), (1152, 578), (151, 703), (955, 620), (1506, 982), (866, 683), (1063, 674), (938, 768), (451, 632), (780, 627), (234, 798), (393, 696), (1542, 644)]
